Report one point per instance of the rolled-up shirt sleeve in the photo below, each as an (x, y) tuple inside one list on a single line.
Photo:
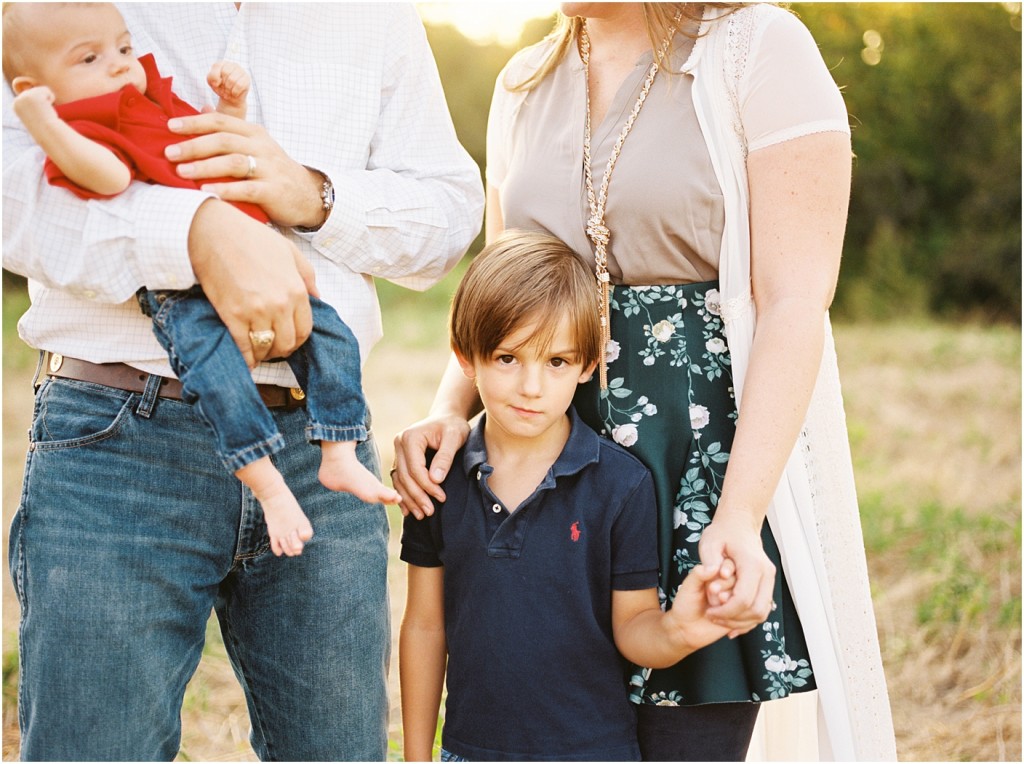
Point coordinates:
[(410, 215)]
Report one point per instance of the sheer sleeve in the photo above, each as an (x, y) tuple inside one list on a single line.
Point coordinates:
[(505, 105), (497, 133), (787, 91)]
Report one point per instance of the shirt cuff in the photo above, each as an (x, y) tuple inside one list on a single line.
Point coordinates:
[(635, 580), (161, 238)]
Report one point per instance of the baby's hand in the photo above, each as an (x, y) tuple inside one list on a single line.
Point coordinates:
[(231, 84), (719, 589), (35, 105)]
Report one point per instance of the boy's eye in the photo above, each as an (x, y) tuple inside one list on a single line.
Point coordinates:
[(506, 359), (558, 362)]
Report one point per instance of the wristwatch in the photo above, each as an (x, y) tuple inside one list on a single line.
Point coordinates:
[(326, 200)]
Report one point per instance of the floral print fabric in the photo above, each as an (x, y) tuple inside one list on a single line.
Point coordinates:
[(670, 401)]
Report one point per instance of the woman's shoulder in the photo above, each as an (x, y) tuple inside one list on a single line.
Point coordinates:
[(525, 62)]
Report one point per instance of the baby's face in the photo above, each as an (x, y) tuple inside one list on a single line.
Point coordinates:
[(85, 51)]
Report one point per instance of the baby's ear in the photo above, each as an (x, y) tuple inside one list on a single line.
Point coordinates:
[(22, 83)]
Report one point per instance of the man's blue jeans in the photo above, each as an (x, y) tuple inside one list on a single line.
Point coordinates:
[(213, 375), (129, 531)]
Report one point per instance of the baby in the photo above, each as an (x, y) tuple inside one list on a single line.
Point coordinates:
[(100, 114)]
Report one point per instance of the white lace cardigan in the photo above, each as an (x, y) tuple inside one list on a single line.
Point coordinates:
[(814, 515)]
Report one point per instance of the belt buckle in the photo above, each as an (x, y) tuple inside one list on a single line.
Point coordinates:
[(56, 361)]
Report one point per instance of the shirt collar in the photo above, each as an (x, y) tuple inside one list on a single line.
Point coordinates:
[(582, 448)]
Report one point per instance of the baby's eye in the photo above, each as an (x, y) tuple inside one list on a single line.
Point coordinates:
[(89, 58), (126, 50)]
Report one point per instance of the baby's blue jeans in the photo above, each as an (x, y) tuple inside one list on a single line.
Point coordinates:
[(213, 375)]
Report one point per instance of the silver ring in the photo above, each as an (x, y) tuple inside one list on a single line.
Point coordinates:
[(262, 339), (252, 166)]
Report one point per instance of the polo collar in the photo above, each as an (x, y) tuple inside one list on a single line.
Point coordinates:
[(582, 448)]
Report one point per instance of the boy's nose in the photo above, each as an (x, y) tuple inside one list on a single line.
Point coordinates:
[(532, 381)]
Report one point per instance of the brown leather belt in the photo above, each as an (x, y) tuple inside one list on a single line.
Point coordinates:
[(124, 377)]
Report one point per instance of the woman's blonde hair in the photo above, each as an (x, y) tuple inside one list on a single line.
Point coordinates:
[(658, 17), (523, 278)]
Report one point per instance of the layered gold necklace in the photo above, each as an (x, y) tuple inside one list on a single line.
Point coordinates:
[(597, 231)]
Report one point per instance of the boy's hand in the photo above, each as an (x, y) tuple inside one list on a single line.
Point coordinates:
[(719, 589), (688, 615), (231, 83), (35, 105)]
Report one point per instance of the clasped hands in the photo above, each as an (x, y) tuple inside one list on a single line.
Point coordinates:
[(256, 279)]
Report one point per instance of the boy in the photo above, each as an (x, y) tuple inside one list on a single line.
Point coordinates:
[(100, 115), (540, 568)]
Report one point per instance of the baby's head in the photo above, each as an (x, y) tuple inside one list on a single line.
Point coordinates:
[(78, 50), (523, 279)]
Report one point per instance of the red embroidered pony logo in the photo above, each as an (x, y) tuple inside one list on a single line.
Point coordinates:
[(574, 531)]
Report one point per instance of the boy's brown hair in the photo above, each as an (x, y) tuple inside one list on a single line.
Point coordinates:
[(524, 277)]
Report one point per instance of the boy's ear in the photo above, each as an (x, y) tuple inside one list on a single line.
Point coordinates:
[(588, 372), (21, 83), (467, 366)]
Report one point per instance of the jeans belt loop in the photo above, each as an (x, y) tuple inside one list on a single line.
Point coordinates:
[(149, 396)]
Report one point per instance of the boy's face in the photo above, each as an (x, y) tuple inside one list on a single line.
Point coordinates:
[(527, 389), (81, 52)]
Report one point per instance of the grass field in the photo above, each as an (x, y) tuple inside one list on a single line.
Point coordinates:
[(935, 423)]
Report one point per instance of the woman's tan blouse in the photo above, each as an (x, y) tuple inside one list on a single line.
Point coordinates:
[(665, 208)]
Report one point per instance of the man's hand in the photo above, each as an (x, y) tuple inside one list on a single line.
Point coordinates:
[(255, 279), (288, 192)]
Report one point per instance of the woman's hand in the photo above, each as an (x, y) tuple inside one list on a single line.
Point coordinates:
[(445, 435), (733, 536), (286, 190)]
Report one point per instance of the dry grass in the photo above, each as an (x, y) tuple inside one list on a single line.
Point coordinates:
[(935, 416)]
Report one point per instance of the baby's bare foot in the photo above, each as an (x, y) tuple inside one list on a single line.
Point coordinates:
[(340, 470), (287, 525)]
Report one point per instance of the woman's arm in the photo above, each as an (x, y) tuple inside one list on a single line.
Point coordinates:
[(422, 658), (85, 162), (447, 425), (799, 193)]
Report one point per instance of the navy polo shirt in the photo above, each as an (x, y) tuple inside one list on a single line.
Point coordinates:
[(533, 672)]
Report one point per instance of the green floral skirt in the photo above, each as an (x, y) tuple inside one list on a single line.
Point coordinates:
[(670, 401)]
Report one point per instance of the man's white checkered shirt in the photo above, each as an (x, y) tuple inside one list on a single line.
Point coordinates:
[(348, 89)]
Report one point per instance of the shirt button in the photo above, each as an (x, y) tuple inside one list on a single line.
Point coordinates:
[(496, 508)]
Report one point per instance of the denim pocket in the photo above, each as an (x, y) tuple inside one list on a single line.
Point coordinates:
[(72, 413)]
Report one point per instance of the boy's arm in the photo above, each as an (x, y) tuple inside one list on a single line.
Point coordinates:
[(647, 636), (422, 658), (231, 83), (85, 162)]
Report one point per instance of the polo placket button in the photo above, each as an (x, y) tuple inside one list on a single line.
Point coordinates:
[(496, 508)]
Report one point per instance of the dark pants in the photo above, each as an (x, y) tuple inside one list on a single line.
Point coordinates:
[(710, 732)]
